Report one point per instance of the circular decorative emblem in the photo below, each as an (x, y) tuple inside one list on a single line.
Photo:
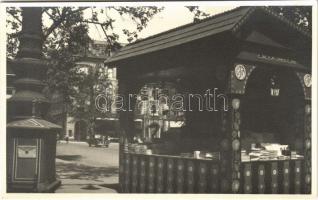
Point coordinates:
[(274, 172), (248, 173), (236, 126), (307, 143), (307, 109), (235, 186), (237, 115), (261, 172), (307, 178), (236, 145), (240, 72), (236, 103), (307, 80), (234, 134)]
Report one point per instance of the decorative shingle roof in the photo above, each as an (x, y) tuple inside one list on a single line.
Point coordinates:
[(229, 21), (33, 123)]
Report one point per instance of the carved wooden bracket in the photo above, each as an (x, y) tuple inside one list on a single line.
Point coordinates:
[(305, 83), (239, 78)]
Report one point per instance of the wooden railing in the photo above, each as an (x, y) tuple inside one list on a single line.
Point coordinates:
[(172, 174), (273, 177)]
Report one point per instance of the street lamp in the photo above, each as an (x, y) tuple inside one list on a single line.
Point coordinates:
[(274, 86)]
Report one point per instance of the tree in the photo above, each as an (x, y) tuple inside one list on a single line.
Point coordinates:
[(300, 15), (88, 84), (65, 34)]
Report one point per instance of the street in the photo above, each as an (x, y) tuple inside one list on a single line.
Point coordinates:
[(84, 169)]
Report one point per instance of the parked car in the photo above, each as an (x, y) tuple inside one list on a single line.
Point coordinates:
[(100, 141)]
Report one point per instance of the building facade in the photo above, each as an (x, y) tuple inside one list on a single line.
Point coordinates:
[(93, 57)]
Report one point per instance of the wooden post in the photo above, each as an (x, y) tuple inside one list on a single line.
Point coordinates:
[(122, 140), (236, 143), (170, 176), (225, 166), (231, 147), (307, 146), (126, 119), (236, 88)]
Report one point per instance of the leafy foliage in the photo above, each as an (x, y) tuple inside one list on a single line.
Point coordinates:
[(198, 14), (65, 36), (300, 15), (65, 33)]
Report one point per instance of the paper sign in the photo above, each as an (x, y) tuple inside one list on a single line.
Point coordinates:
[(26, 151)]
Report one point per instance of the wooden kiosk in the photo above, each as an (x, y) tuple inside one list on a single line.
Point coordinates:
[(260, 63)]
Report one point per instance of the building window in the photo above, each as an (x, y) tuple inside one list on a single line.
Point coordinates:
[(70, 133)]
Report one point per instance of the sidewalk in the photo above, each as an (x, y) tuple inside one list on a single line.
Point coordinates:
[(77, 178), (84, 169), (68, 186)]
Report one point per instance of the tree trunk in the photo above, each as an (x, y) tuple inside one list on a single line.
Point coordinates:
[(92, 117)]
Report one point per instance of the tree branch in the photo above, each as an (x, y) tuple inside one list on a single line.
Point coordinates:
[(51, 16), (15, 17), (94, 22), (64, 15), (107, 38)]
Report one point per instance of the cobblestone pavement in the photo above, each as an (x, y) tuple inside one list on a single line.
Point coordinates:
[(84, 169)]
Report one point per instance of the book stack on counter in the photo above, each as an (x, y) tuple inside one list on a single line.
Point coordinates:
[(203, 155), (255, 154), (294, 155), (141, 149), (269, 151), (212, 155), (244, 156)]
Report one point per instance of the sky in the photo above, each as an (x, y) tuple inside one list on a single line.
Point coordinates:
[(170, 17)]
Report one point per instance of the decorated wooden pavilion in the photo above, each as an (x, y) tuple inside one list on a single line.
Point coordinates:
[(260, 63)]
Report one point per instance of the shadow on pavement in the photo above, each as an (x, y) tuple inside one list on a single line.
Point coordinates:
[(111, 186), (69, 157), (90, 187), (84, 172)]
